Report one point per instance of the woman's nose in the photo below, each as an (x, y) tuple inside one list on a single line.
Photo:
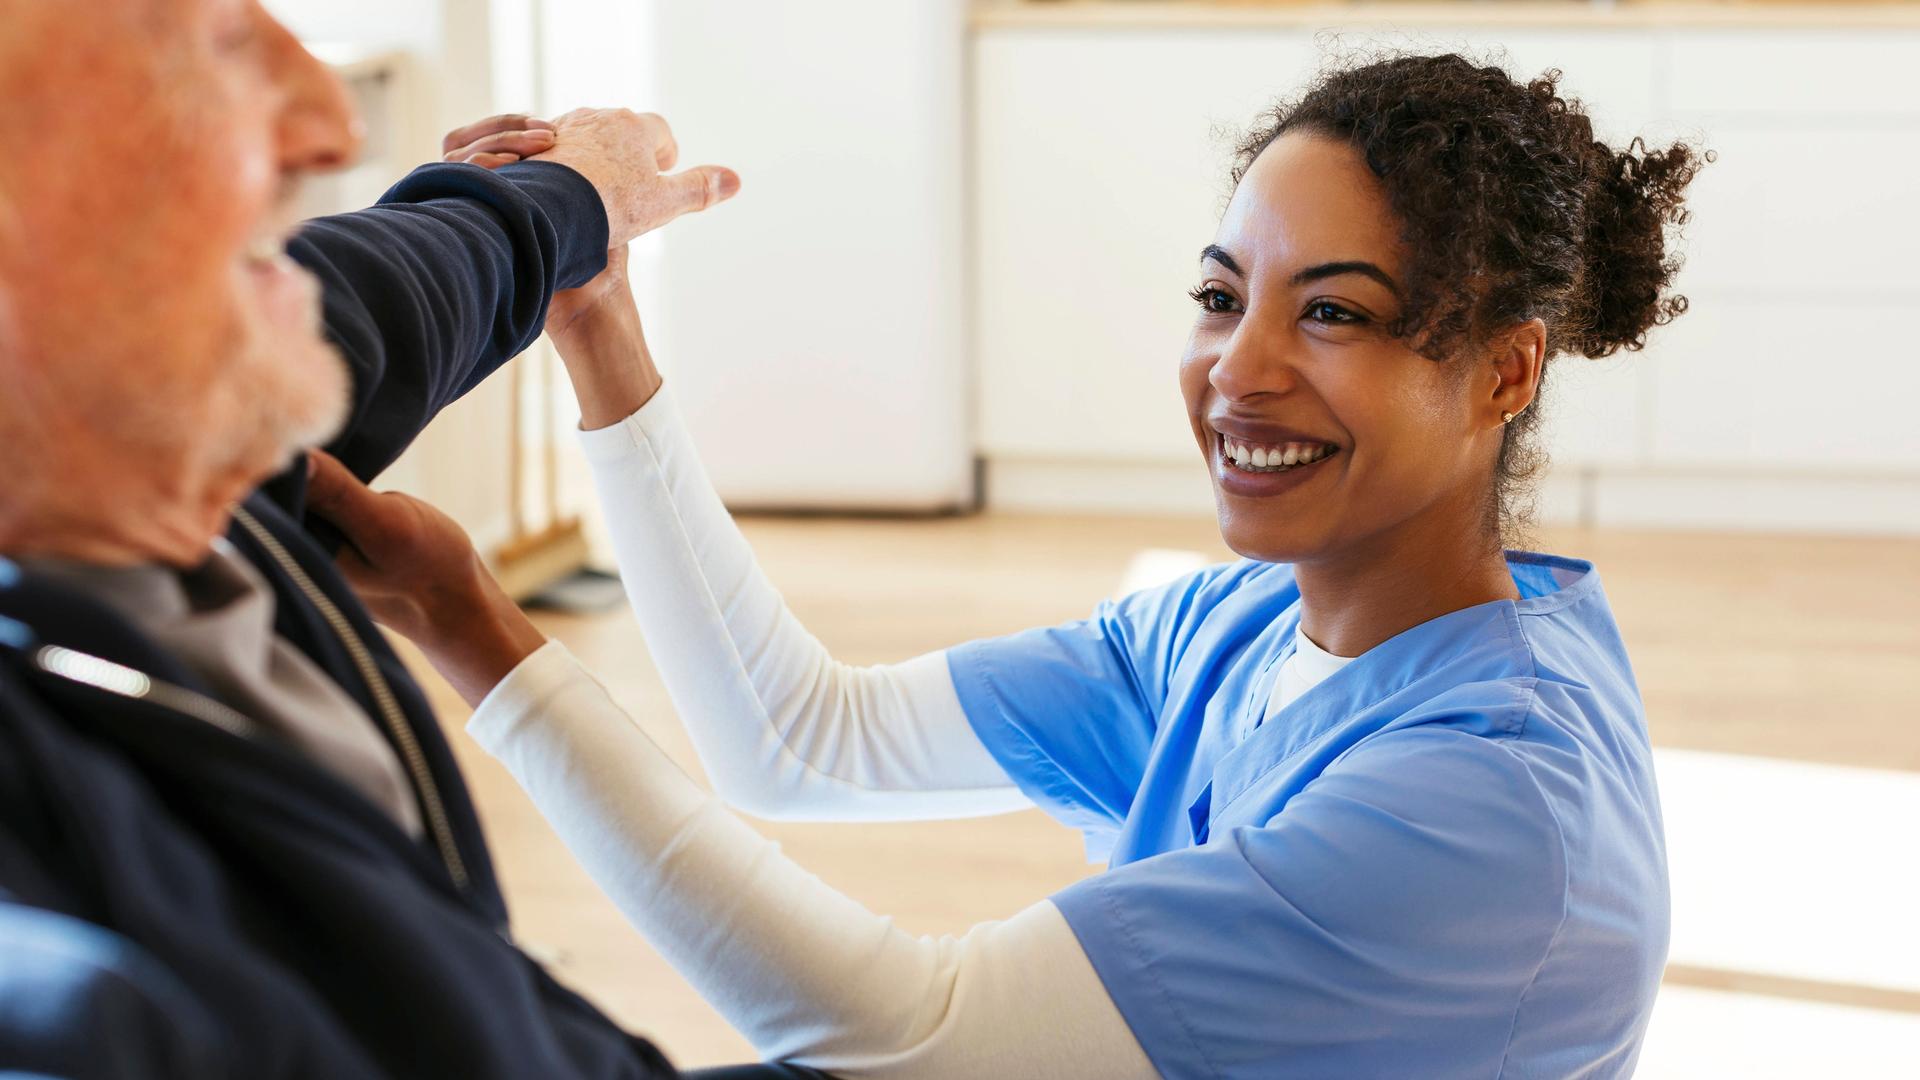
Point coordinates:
[(319, 126), (1255, 360)]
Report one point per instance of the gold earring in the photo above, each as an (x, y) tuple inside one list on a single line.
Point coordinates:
[(1506, 417)]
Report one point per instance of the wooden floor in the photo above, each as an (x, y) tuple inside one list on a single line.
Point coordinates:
[(1807, 649)]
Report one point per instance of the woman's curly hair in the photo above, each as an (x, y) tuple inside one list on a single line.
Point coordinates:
[(1511, 209)]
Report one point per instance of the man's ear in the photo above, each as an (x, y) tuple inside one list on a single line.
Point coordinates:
[(1519, 356)]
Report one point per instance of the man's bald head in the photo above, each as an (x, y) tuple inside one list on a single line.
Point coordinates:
[(159, 360)]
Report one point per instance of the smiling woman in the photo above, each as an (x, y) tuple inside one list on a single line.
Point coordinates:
[(1377, 800), (1509, 213), (1410, 244)]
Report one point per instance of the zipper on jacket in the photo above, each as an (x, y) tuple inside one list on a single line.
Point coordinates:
[(389, 708), (90, 670)]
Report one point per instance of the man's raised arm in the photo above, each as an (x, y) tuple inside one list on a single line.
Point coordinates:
[(449, 276)]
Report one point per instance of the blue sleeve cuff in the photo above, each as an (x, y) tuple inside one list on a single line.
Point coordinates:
[(1037, 775)]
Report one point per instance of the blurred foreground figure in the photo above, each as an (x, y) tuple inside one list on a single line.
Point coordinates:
[(232, 839)]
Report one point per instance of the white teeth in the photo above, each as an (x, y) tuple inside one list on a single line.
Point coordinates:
[(1284, 456)]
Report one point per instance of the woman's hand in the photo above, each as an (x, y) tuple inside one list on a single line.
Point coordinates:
[(596, 327), (419, 574)]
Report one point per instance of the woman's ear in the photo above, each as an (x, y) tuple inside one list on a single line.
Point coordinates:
[(1518, 356)]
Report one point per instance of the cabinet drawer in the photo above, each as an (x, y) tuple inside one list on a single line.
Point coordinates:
[(1807, 212)]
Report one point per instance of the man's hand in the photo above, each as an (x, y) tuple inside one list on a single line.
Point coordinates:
[(418, 572), (625, 155)]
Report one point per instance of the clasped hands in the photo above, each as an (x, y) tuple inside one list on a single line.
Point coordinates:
[(625, 156), (414, 567)]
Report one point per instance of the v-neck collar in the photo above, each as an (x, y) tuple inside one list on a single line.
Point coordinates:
[(1485, 636)]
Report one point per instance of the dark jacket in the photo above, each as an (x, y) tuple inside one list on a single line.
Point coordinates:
[(184, 895)]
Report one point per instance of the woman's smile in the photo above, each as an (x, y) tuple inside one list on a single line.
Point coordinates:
[(1249, 467)]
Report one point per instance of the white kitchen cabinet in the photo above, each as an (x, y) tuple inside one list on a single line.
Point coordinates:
[(1802, 211), (1772, 75), (1101, 163), (1807, 386)]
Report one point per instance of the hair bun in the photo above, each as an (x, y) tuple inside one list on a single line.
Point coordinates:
[(1636, 195)]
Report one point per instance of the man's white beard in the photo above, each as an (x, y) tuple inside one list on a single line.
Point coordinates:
[(287, 389), (297, 402)]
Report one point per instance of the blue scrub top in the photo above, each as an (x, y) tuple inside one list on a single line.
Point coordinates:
[(1446, 860)]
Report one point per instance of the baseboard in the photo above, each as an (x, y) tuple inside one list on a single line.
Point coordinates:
[(1754, 502), (1079, 487)]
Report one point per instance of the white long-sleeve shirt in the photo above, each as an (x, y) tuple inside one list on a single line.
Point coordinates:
[(785, 731)]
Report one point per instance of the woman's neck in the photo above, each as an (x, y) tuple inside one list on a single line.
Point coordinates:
[(1426, 567)]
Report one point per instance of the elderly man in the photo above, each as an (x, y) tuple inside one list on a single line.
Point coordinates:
[(232, 839)]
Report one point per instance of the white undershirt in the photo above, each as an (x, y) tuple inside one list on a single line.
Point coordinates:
[(1308, 667), (784, 731)]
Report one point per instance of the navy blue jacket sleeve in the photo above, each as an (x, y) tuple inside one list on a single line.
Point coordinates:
[(446, 279)]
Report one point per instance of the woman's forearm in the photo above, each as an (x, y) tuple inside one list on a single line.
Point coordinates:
[(784, 730), (803, 971)]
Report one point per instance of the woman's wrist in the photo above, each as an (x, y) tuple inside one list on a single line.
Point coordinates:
[(607, 360)]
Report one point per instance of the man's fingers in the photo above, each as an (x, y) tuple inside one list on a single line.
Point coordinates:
[(520, 144), (701, 186), (488, 161), (492, 125), (337, 496)]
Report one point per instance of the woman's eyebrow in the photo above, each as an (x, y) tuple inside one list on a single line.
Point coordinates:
[(1312, 273), (1219, 254), (1335, 269)]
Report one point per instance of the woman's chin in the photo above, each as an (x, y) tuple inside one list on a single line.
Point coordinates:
[(1254, 536)]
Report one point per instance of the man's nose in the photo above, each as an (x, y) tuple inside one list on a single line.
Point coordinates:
[(1257, 359), (319, 126)]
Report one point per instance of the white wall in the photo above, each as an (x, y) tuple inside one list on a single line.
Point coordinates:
[(1781, 401)]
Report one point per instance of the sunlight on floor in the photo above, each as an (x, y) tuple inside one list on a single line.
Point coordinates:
[(1700, 1034), (1781, 867), (1805, 873)]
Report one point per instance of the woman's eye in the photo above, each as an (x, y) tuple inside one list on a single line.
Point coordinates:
[(1216, 301), (1326, 311)]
